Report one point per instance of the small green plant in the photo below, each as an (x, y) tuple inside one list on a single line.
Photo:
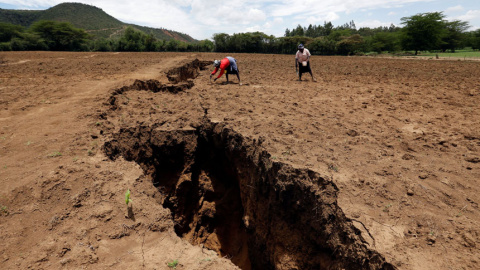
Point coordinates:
[(98, 124), (459, 214), (127, 197), (55, 154), (3, 209), (29, 142), (387, 207), (3, 138), (333, 167), (173, 264)]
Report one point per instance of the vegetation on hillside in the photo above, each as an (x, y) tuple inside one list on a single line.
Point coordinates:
[(90, 18), (63, 36), (19, 17)]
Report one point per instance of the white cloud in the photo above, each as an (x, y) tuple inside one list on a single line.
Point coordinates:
[(278, 20), (320, 8), (470, 15), (255, 15), (331, 16), (458, 8)]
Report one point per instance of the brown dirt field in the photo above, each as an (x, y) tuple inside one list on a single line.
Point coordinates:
[(375, 166)]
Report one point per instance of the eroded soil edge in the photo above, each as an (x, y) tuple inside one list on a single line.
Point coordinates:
[(226, 193)]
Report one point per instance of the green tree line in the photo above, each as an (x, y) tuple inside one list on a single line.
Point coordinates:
[(421, 32)]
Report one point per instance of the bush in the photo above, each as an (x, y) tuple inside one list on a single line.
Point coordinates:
[(5, 46), (60, 36), (322, 46)]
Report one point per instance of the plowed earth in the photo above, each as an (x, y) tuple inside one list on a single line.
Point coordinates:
[(374, 166)]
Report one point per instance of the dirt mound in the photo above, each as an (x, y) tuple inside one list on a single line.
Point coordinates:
[(226, 193)]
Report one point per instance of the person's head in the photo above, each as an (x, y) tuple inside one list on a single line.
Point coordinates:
[(301, 47), (216, 63)]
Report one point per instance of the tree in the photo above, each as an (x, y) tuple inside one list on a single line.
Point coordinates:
[(9, 31), (287, 33), (338, 34), (385, 41), (299, 31), (423, 31), (349, 45), (475, 39), (310, 32), (60, 36), (221, 41), (103, 45), (454, 36), (132, 41), (323, 46)]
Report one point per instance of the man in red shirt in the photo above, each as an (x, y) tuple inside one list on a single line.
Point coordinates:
[(228, 64)]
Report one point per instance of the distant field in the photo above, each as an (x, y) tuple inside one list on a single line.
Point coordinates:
[(457, 54)]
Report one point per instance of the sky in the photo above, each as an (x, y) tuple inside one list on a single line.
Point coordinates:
[(202, 18)]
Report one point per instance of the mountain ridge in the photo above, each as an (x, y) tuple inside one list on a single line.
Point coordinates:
[(92, 19)]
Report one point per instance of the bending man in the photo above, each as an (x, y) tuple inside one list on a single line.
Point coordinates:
[(302, 60), (228, 64)]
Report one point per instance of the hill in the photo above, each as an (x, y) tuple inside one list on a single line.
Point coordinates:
[(94, 20)]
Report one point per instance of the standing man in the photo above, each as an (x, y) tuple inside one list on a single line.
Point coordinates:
[(229, 64), (302, 59)]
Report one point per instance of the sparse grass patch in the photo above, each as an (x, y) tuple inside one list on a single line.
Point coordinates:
[(3, 210), (459, 214), (333, 167), (387, 207), (287, 152), (55, 154), (465, 54), (173, 264)]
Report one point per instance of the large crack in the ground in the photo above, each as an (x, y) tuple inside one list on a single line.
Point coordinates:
[(227, 194), (180, 78)]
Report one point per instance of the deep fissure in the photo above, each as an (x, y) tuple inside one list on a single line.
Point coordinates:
[(180, 79), (225, 193)]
